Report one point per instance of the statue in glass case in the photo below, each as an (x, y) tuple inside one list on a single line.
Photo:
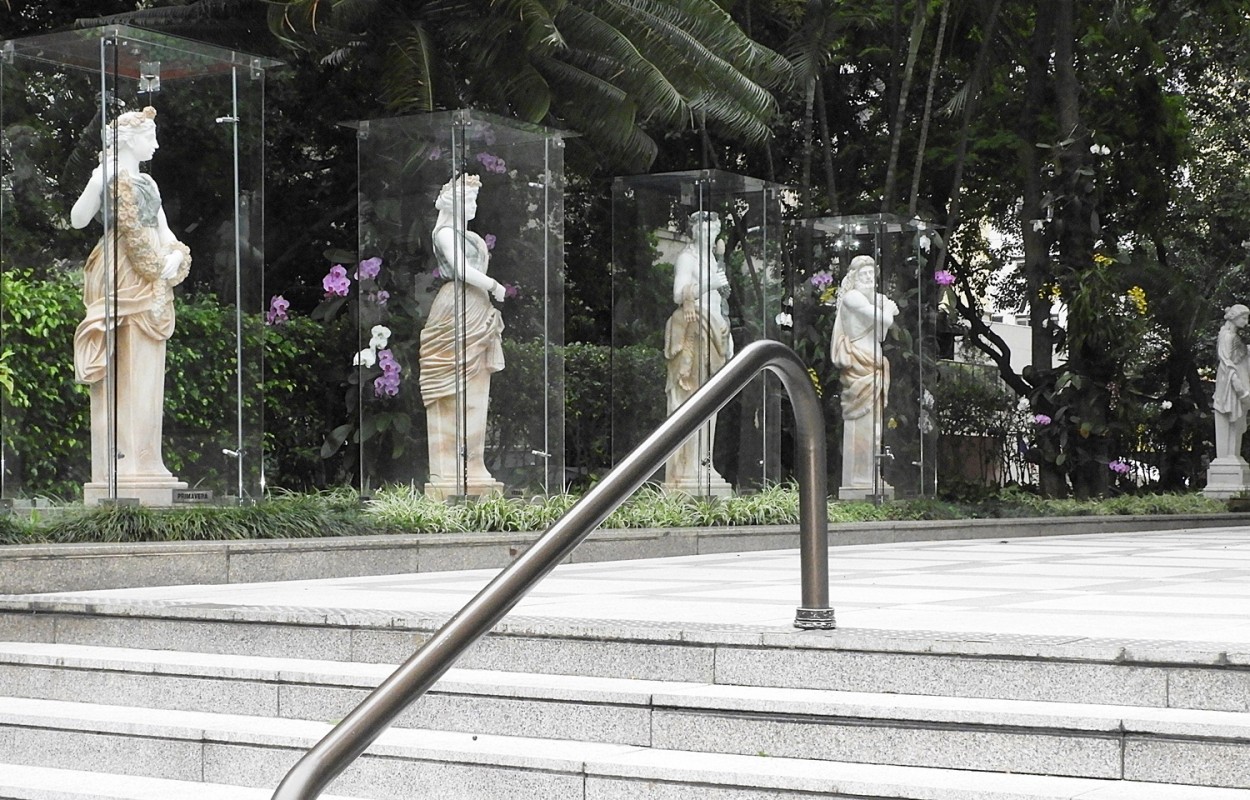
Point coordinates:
[(863, 317), (461, 346), (134, 298), (697, 343), (1232, 384)]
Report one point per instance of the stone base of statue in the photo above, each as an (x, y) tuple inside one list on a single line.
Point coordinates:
[(1228, 477), (862, 492), (713, 486), (447, 490), (860, 440), (148, 491)]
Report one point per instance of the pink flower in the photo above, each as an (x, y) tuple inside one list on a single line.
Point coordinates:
[(1041, 419), (821, 279), (336, 282), (511, 290), (380, 297), (490, 241), (943, 278), (278, 306), (369, 268), (1119, 467), (387, 384), (492, 163)]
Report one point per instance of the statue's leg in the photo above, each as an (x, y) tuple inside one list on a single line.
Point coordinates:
[(477, 400), (440, 417), (1223, 436), (140, 404), (99, 433)]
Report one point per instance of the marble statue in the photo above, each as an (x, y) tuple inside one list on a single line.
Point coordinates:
[(863, 317), (461, 345), (697, 343), (1229, 474), (133, 297)]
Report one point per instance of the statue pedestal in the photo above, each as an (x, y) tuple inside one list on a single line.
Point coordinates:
[(859, 492), (1227, 477), (716, 486), (149, 492), (443, 490)]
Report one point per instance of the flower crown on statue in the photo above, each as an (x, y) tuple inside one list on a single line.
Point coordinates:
[(702, 217), (460, 185), (135, 119)]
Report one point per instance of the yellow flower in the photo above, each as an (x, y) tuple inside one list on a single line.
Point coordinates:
[(1050, 291), (1137, 296), (811, 373), (892, 424), (1103, 260)]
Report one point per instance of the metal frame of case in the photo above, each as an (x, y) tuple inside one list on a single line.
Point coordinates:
[(58, 93)]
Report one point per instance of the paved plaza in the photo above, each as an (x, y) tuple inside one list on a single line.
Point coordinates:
[(1168, 587)]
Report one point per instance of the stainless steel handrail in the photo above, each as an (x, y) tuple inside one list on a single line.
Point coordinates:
[(347, 740)]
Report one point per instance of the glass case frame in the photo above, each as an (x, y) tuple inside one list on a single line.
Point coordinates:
[(425, 237), (61, 96), (899, 458), (697, 274)]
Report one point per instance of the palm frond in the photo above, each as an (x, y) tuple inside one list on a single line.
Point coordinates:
[(602, 49), (409, 70), (668, 34), (528, 94), (537, 21)]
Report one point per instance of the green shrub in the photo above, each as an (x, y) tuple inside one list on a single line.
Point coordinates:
[(45, 416)]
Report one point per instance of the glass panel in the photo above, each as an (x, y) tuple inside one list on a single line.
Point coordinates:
[(865, 313), (696, 276), (153, 391), (459, 295)]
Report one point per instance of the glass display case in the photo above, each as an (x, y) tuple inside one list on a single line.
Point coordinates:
[(696, 275), (459, 303), (865, 310), (130, 278)]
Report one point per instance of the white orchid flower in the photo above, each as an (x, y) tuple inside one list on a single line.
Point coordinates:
[(380, 335), (365, 358)]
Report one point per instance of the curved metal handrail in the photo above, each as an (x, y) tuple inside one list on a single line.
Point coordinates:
[(351, 737)]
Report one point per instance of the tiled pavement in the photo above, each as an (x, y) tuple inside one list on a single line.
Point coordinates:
[(1175, 587)]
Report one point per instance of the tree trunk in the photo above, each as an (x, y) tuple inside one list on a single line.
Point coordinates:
[(1036, 238), (1090, 477), (919, 19), (826, 141), (913, 199)]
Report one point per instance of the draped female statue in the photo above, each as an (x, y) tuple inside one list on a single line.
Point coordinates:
[(863, 317), (128, 280)]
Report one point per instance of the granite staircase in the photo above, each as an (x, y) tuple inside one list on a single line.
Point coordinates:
[(122, 701)]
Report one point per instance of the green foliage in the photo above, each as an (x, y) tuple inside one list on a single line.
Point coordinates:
[(283, 517), (611, 71), (402, 509), (636, 402), (45, 415)]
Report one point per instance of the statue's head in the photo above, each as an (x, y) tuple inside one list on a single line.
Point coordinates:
[(133, 123), (463, 188), (705, 225), (1235, 312), (130, 127), (862, 272)]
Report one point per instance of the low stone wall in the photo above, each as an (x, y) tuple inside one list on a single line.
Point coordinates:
[(26, 569)]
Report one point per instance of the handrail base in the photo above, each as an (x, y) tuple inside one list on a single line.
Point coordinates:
[(814, 619)]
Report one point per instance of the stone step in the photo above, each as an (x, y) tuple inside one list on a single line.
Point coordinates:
[(78, 741), (1097, 741), (44, 783), (1069, 669)]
